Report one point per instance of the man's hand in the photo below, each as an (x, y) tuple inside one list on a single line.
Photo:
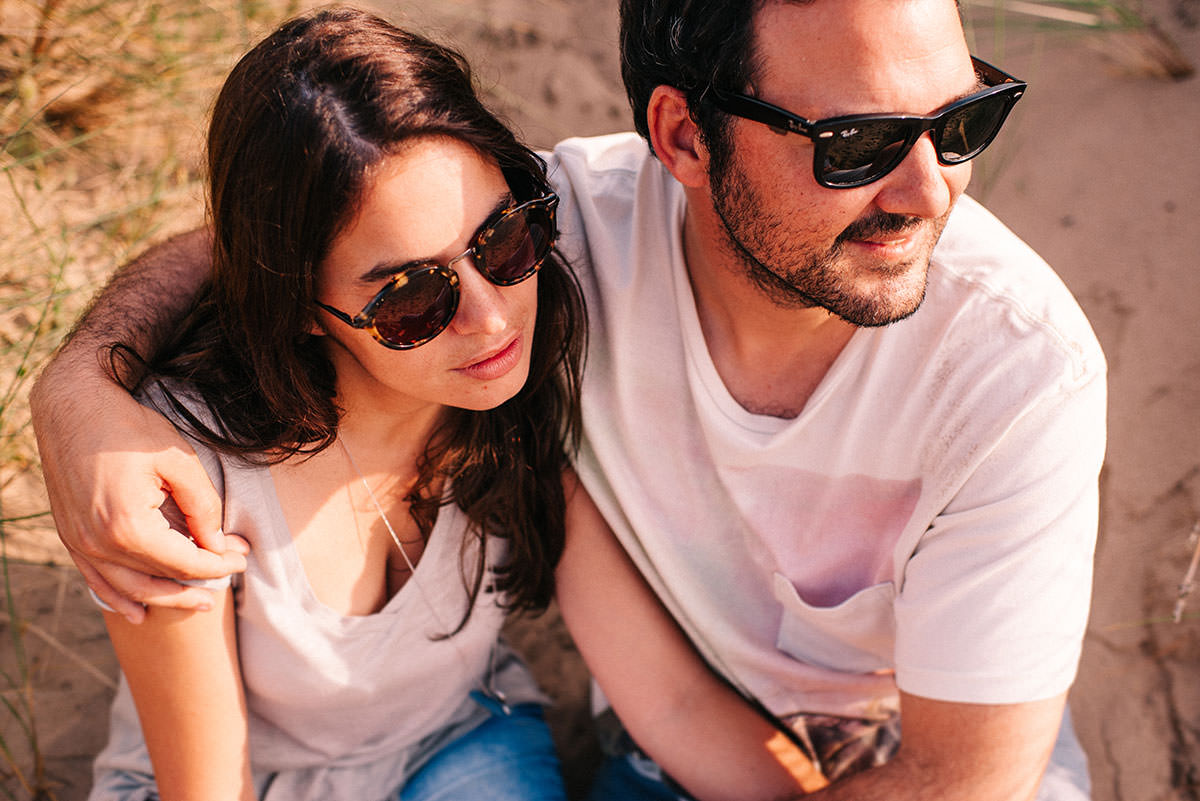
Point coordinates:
[(961, 752), (108, 478), (110, 465)]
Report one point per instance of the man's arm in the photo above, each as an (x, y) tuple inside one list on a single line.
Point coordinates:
[(700, 731), (710, 741), (961, 752), (110, 463)]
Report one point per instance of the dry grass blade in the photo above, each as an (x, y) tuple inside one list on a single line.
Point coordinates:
[(53, 642), (1128, 39), (1149, 52), (1189, 578), (20, 708)]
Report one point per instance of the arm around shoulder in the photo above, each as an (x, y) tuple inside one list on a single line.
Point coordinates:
[(142, 300), (109, 463)]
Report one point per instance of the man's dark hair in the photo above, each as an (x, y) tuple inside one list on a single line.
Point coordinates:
[(690, 45)]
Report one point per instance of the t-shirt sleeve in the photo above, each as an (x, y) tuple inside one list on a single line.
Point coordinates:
[(994, 600)]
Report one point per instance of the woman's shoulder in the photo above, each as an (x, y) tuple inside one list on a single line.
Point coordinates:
[(178, 401), (183, 405)]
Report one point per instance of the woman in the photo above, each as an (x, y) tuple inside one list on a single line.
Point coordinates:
[(396, 470), (381, 379)]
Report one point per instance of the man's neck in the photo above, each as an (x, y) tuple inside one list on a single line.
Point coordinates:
[(771, 358)]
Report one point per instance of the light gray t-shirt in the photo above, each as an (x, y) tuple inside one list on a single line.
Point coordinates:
[(340, 707)]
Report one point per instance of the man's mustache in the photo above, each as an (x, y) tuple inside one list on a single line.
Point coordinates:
[(879, 224)]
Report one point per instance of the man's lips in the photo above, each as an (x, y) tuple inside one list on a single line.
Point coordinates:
[(895, 246)]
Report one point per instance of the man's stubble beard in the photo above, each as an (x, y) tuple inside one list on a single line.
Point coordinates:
[(759, 243)]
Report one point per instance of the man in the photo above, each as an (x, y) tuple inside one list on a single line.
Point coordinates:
[(846, 424)]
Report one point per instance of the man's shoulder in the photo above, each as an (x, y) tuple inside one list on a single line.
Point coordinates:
[(613, 192), (977, 245), (609, 167), (620, 152), (994, 282)]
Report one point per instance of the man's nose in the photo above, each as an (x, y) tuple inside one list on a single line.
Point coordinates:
[(920, 186)]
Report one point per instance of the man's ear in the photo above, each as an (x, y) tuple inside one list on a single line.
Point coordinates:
[(675, 137)]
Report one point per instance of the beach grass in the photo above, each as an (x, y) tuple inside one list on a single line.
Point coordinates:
[(101, 113)]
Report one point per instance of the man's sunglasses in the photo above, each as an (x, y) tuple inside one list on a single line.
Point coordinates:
[(860, 148), (419, 301)]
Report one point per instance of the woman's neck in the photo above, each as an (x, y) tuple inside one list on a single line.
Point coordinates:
[(387, 438), (348, 507)]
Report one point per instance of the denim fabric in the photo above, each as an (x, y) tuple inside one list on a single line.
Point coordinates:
[(632, 777), (509, 757)]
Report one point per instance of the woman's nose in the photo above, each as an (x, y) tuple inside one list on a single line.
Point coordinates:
[(481, 306)]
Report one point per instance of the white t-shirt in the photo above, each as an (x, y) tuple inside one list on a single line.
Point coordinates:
[(927, 522)]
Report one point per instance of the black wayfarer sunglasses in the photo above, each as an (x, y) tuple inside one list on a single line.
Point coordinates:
[(420, 300), (857, 149)]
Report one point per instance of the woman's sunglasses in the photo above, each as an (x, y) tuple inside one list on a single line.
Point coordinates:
[(858, 149), (419, 301)]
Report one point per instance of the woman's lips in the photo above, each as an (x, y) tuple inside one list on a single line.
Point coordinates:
[(497, 363)]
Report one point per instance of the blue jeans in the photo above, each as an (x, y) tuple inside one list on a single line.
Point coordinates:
[(630, 778), (508, 757)]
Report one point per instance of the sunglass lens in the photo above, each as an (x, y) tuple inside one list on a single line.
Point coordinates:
[(968, 130), (416, 310), (518, 244), (862, 151)]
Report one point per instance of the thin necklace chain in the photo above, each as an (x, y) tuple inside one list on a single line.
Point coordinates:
[(487, 686), (379, 508), (375, 500)]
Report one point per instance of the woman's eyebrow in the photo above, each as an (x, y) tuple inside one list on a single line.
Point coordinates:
[(386, 269)]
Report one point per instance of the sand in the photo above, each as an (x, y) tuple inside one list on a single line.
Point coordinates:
[(1099, 170)]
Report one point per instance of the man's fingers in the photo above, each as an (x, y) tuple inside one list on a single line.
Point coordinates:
[(166, 553), (236, 544), (132, 611), (129, 590), (190, 487), (147, 590)]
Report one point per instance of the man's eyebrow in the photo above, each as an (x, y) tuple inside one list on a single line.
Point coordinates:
[(386, 269), (978, 86)]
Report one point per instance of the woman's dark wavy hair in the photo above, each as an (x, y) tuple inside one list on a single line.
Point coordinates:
[(690, 45), (297, 130)]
